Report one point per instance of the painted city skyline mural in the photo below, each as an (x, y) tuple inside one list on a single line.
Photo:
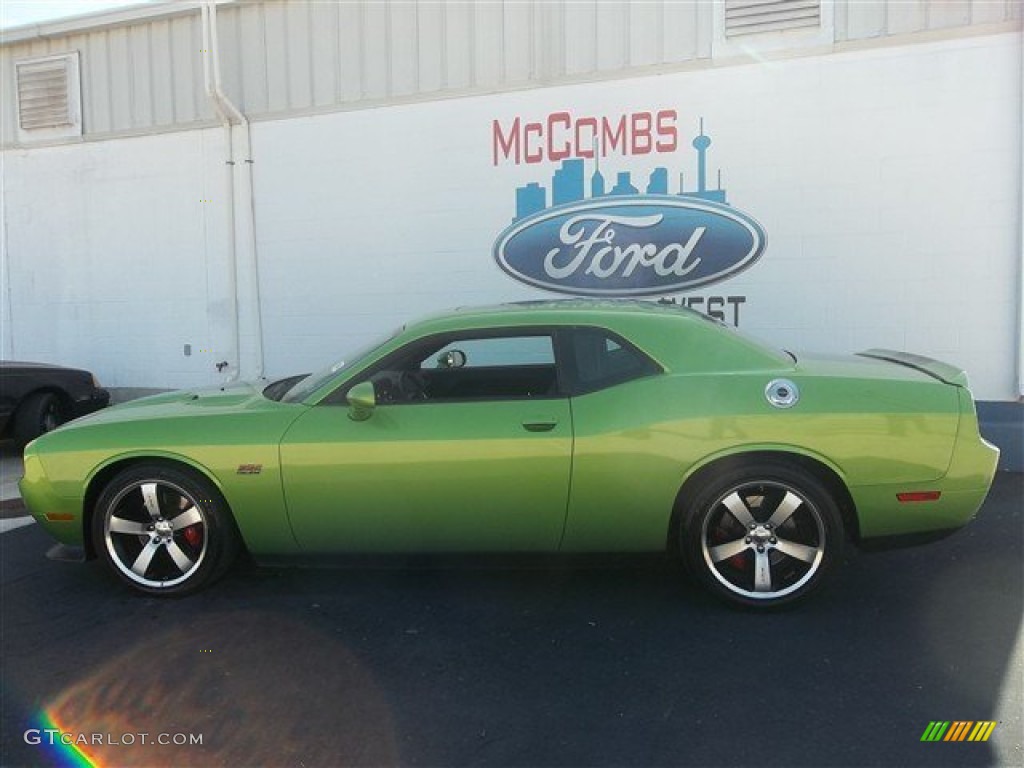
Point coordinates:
[(569, 183), (595, 235)]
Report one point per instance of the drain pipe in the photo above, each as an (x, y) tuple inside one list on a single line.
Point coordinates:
[(6, 313), (243, 222), (235, 355), (1020, 244)]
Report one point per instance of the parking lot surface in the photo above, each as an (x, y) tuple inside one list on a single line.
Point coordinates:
[(613, 662)]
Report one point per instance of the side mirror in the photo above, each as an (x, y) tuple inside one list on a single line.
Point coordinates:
[(453, 358), (361, 401)]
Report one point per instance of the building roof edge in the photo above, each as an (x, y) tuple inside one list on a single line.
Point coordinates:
[(114, 17)]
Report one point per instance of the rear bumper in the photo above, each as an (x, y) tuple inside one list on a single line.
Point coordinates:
[(962, 490), (881, 514)]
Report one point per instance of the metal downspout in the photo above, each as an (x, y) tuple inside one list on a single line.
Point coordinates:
[(235, 356), (251, 264), (6, 311), (1020, 243)]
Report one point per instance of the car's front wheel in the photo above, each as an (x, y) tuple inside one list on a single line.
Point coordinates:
[(762, 535), (164, 530)]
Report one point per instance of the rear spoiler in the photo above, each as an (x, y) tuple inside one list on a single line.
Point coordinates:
[(950, 374)]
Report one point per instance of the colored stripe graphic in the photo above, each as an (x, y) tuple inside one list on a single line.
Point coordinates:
[(935, 730), (982, 731), (958, 730)]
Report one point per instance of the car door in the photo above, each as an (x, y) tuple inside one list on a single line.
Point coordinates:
[(468, 448), (622, 488)]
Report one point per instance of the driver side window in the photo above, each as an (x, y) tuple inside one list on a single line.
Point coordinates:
[(471, 367), (498, 352)]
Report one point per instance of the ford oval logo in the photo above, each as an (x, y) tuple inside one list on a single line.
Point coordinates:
[(642, 245)]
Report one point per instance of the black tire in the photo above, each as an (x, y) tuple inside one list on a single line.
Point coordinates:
[(762, 535), (164, 530), (38, 414)]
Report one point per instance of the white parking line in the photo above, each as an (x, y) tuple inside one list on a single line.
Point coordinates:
[(10, 523)]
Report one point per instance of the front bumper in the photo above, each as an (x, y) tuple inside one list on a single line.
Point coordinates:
[(59, 516)]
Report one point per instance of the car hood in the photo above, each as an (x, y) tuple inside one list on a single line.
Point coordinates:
[(237, 396)]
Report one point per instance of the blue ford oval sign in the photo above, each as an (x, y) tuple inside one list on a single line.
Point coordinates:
[(641, 245)]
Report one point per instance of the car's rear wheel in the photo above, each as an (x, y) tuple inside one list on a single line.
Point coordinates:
[(763, 535), (38, 414), (163, 530)]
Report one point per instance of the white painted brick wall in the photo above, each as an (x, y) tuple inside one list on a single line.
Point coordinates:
[(887, 180), (115, 260)]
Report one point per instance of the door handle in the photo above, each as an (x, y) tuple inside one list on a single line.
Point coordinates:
[(540, 425)]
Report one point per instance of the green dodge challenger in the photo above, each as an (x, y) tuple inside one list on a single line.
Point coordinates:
[(555, 426)]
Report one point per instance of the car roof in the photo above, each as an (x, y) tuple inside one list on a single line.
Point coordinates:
[(577, 308), (653, 326)]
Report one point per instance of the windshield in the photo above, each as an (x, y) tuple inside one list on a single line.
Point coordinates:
[(309, 384)]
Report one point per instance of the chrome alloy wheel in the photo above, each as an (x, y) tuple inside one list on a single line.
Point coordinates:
[(763, 540), (155, 533)]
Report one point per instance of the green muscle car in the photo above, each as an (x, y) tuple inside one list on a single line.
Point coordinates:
[(556, 426)]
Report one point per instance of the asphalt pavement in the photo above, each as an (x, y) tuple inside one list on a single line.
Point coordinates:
[(609, 663), (11, 470)]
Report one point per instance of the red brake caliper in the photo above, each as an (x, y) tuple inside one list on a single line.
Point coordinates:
[(736, 561), (193, 534)]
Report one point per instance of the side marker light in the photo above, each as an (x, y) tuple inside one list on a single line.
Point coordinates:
[(918, 496)]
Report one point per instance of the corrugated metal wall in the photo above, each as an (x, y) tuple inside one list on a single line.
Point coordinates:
[(861, 19), (299, 56), (133, 78), (283, 56)]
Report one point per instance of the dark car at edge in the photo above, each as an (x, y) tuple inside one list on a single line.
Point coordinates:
[(36, 398)]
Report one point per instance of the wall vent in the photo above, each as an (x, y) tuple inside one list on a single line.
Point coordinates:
[(49, 96), (748, 17)]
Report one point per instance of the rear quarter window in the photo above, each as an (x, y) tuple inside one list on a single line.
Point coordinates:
[(599, 359)]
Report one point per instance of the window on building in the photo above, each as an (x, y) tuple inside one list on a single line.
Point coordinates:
[(49, 97)]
